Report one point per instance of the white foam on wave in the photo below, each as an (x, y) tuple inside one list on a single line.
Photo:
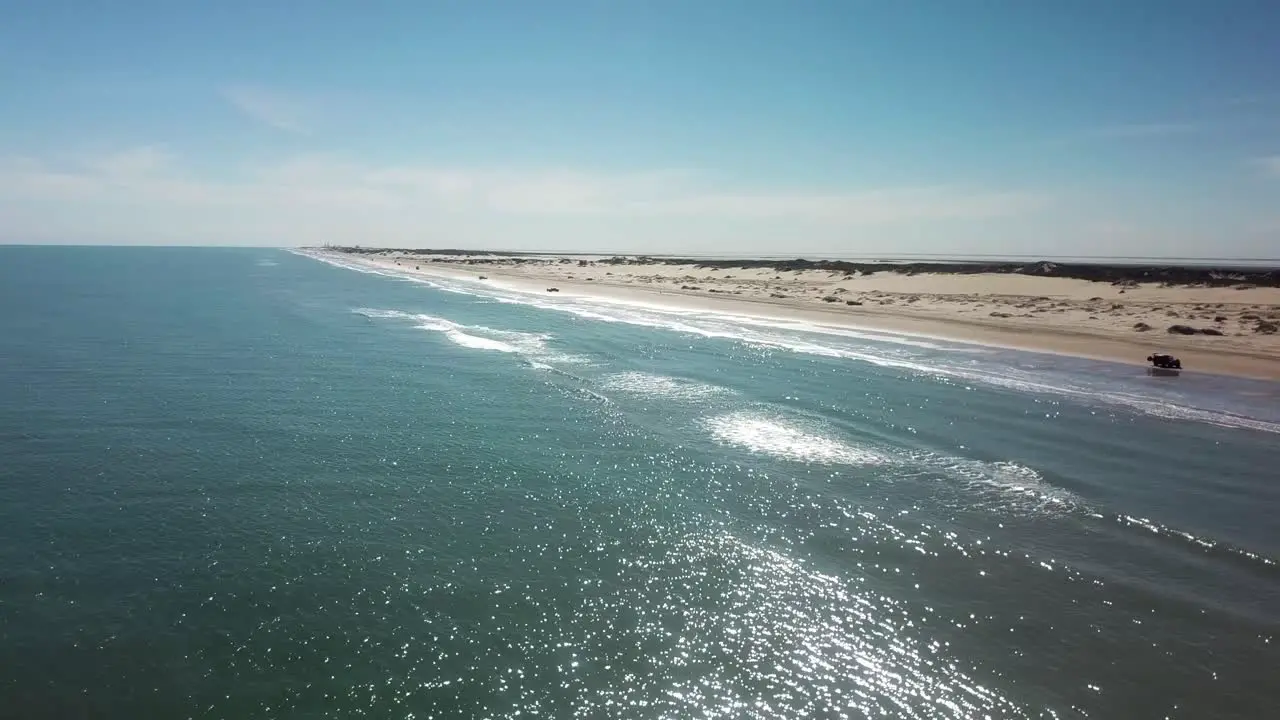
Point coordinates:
[(346, 264), (724, 328), (475, 342), (1016, 486), (479, 337), (884, 336), (437, 283), (1161, 407), (1010, 486), (781, 439), (373, 313), (638, 383)]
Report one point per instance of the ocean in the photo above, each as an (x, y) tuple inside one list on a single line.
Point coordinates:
[(249, 483)]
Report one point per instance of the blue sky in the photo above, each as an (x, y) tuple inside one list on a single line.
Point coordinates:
[(1138, 128)]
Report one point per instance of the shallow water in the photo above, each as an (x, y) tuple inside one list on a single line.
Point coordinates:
[(248, 483)]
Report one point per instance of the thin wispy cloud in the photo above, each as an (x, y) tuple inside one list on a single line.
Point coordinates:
[(307, 197), (672, 192), (1146, 130), (267, 107), (133, 162), (1135, 132), (1270, 166), (1250, 100), (861, 208)]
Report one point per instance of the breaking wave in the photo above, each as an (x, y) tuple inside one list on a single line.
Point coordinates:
[(638, 383), (478, 337), (786, 440)]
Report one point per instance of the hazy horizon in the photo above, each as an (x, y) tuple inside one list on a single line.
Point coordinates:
[(746, 128), (1255, 263)]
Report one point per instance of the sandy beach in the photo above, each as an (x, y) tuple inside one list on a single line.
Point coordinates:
[(1230, 330)]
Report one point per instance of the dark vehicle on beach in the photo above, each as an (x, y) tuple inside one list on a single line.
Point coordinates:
[(1162, 364)]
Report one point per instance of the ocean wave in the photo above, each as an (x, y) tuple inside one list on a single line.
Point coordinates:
[(1005, 485), (1000, 486), (1207, 545), (348, 264), (1009, 485), (1168, 408), (478, 337), (638, 383), (787, 440), (883, 336)]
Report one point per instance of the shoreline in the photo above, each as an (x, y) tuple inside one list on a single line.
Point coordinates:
[(1053, 315)]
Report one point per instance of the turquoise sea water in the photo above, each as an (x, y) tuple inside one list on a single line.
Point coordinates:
[(248, 483)]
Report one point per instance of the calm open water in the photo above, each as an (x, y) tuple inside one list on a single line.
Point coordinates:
[(248, 483)]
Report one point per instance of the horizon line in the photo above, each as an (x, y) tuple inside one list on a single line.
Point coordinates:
[(620, 253)]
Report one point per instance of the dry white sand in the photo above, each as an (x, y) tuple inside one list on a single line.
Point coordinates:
[(1074, 317)]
